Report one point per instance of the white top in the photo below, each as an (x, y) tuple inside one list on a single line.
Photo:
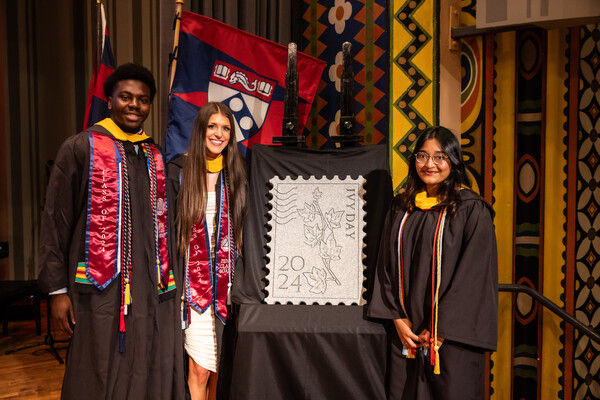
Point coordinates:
[(200, 336)]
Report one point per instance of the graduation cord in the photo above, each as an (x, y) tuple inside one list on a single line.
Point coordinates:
[(151, 163), (436, 275), (185, 307), (232, 254), (410, 353), (126, 248)]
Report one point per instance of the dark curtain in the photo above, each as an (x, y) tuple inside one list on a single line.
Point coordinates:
[(276, 20)]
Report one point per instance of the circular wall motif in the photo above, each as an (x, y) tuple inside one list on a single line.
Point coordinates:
[(527, 178), (530, 59), (528, 53), (470, 74), (524, 304)]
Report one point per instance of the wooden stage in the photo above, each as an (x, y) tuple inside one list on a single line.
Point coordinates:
[(32, 373)]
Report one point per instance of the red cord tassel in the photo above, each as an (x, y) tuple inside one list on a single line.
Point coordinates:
[(122, 330)]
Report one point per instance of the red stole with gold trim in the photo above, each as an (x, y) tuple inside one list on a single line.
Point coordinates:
[(105, 225), (208, 273)]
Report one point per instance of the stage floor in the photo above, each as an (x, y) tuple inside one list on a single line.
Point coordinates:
[(31, 373)]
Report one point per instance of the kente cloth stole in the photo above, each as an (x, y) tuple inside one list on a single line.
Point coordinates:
[(208, 274), (108, 233)]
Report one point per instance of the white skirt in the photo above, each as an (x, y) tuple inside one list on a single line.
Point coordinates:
[(201, 340)]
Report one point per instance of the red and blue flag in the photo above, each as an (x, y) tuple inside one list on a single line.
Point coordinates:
[(97, 106), (216, 62)]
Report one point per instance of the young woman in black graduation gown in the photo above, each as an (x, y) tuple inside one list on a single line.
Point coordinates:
[(437, 277)]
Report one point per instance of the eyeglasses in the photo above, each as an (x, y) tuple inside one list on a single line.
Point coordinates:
[(423, 158)]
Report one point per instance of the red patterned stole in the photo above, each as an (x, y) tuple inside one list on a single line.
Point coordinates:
[(206, 284), (103, 236), (158, 199), (108, 234)]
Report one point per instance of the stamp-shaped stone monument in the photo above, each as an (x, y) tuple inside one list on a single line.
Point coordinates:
[(316, 241)]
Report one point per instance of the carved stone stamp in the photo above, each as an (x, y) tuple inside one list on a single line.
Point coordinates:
[(316, 241)]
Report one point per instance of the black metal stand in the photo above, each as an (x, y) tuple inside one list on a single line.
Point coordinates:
[(48, 340)]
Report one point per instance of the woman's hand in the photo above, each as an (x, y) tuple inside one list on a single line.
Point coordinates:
[(425, 336), (406, 335)]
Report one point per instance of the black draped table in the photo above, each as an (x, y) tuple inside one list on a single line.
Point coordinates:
[(307, 352)]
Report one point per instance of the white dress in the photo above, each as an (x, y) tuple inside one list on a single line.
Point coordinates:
[(200, 337)]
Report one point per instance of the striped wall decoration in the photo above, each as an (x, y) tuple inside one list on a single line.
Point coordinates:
[(529, 209), (554, 211), (477, 62), (414, 26), (503, 195), (583, 259)]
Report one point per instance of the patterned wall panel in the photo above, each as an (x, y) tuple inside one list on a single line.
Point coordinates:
[(472, 108), (477, 64), (503, 194), (554, 211), (415, 64), (363, 23), (529, 209), (586, 274)]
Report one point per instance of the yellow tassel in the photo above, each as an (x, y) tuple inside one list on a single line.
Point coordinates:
[(127, 299), (409, 353), (436, 368)]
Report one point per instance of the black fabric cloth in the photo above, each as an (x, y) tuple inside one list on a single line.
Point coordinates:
[(461, 376), (468, 297), (305, 351), (152, 365)]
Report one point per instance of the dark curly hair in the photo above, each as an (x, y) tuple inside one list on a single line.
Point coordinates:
[(449, 189), (130, 71)]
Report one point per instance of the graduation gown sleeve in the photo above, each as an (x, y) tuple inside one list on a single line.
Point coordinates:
[(65, 197), (385, 302), (468, 305)]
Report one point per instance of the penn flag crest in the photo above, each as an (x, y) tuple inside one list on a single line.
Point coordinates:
[(247, 95), (216, 62)]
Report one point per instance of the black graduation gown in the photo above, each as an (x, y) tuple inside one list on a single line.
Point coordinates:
[(468, 297), (152, 365)]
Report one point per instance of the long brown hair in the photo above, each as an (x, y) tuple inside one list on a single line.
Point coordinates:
[(449, 189), (193, 195)]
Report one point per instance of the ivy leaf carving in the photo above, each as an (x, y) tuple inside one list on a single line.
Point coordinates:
[(317, 194), (334, 217), (316, 280), (307, 213), (328, 248), (312, 234)]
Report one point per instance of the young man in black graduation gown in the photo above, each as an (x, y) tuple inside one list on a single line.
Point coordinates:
[(104, 258)]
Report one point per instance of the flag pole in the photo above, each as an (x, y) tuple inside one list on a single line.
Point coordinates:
[(179, 7), (99, 35)]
